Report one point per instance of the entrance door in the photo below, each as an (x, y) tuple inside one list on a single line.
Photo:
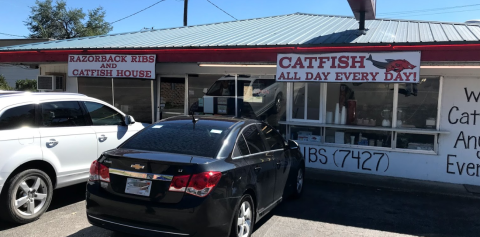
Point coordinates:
[(172, 97)]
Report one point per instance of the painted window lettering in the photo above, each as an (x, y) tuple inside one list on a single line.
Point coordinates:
[(343, 158)]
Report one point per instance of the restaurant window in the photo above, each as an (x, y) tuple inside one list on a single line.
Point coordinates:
[(211, 94), (133, 97), (418, 104), (364, 104), (390, 115), (96, 87)]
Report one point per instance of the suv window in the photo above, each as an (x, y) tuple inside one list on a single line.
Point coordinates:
[(241, 148), (274, 140), (254, 140), (62, 114), (103, 115), (21, 116)]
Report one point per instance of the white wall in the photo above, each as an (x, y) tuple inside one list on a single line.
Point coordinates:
[(453, 164), (13, 73), (71, 82)]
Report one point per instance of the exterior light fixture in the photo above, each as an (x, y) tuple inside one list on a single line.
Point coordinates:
[(450, 67), (235, 65)]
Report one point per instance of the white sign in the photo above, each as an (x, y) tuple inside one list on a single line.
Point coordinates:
[(393, 67), (112, 65)]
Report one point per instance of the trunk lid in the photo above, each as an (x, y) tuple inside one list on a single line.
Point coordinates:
[(154, 168)]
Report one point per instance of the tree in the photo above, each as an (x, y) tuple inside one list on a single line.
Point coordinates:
[(56, 22), (4, 85), (26, 85)]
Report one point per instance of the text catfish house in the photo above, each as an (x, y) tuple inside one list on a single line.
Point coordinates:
[(375, 67)]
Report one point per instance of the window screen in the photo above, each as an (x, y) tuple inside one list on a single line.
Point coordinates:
[(62, 114), (103, 115), (21, 116)]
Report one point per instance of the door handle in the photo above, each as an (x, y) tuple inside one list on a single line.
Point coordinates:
[(102, 138), (279, 164), (257, 169), (52, 143)]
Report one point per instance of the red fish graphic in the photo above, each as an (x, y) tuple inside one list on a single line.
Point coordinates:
[(392, 65)]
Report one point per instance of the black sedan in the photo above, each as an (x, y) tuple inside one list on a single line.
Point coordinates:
[(202, 176)]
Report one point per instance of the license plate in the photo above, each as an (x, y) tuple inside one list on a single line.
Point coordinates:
[(138, 187)]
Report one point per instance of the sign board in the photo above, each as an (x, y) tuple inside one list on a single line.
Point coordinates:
[(396, 67), (112, 65)]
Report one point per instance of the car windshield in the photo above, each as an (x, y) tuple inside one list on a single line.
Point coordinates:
[(205, 138), (227, 87)]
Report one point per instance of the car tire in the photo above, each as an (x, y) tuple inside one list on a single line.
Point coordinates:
[(26, 196), (299, 181), (245, 212), (277, 105)]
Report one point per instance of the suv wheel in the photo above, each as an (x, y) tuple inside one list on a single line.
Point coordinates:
[(27, 196)]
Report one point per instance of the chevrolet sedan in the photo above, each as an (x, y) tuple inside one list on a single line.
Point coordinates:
[(186, 176)]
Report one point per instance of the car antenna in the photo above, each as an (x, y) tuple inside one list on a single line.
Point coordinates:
[(194, 121)]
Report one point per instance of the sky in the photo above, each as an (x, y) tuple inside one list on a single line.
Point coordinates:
[(169, 13)]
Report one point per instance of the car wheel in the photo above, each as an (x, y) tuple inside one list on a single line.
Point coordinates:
[(27, 196), (244, 218), (277, 106), (299, 181)]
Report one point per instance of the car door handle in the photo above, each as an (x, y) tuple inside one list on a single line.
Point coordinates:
[(52, 143), (102, 138), (279, 164), (257, 169)]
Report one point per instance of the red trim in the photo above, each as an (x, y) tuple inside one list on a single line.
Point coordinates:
[(460, 52)]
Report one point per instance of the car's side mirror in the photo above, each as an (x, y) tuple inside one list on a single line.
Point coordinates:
[(205, 90), (129, 120), (292, 145)]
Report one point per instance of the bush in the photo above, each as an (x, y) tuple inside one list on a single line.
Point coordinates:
[(4, 85), (26, 85)]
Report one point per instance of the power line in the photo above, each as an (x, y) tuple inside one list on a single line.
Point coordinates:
[(13, 35), (440, 13), (222, 10), (138, 12), (426, 10)]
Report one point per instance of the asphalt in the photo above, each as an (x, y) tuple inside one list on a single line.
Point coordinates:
[(393, 183), (327, 208)]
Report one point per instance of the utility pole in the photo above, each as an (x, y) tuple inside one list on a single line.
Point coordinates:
[(185, 12)]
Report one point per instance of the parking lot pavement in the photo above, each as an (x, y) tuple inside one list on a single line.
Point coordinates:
[(325, 209)]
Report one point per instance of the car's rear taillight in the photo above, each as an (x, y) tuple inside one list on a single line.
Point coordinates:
[(99, 172), (179, 183), (200, 184)]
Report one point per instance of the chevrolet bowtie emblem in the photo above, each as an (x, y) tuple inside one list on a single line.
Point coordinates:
[(137, 166)]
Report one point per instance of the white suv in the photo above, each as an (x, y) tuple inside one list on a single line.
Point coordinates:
[(48, 141)]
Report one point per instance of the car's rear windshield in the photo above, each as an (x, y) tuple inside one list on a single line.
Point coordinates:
[(205, 138)]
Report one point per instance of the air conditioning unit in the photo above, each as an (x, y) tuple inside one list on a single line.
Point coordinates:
[(50, 82), (46, 83)]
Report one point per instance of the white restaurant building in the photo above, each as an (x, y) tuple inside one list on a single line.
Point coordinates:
[(399, 98)]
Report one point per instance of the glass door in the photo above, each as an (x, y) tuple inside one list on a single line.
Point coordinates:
[(172, 97)]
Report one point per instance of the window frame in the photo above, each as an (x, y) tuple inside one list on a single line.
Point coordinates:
[(240, 133), (89, 117), (39, 111), (36, 122), (277, 133), (290, 121)]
